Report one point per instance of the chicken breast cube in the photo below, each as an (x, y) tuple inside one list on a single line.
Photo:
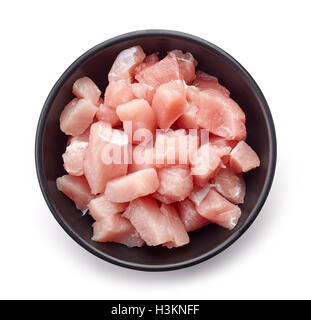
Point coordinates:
[(124, 65), (132, 186), (86, 88), (77, 116), (148, 220), (100, 207), (230, 185), (75, 188), (188, 214), (243, 158), (118, 92), (219, 210), (97, 169), (175, 227), (140, 114), (176, 183), (169, 103), (115, 228)]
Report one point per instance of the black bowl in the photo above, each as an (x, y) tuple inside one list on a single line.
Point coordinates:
[(96, 63)]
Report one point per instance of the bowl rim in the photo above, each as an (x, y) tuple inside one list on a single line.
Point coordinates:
[(271, 162)]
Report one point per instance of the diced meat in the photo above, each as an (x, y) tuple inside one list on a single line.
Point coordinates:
[(84, 137), (219, 210), (107, 114), (174, 147), (142, 158), (198, 194), (162, 198), (230, 185), (221, 115), (143, 91), (188, 120), (161, 72), (186, 64), (148, 62), (118, 92), (141, 115), (115, 228), (176, 182), (204, 81), (75, 188), (169, 103), (176, 228), (188, 214), (74, 157), (102, 141), (132, 186), (148, 220), (77, 116), (124, 66), (243, 158), (87, 89), (101, 208), (206, 162), (220, 142)]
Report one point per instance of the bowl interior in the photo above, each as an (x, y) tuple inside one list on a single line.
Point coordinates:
[(205, 242)]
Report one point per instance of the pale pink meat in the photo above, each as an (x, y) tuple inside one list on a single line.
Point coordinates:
[(188, 214), (143, 91), (115, 228), (77, 116), (142, 158), (161, 72), (148, 62), (218, 209), (118, 92), (169, 103), (102, 140), (206, 162), (176, 229), (100, 207), (174, 147), (243, 158), (199, 193), (74, 157), (124, 65), (176, 183), (75, 188), (230, 185), (141, 116), (148, 220), (188, 119), (106, 114), (132, 186), (204, 81), (220, 115), (86, 88), (186, 64)]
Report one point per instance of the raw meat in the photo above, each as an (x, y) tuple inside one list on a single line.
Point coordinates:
[(219, 210), (100, 207), (86, 88), (124, 66), (188, 214), (230, 185), (103, 138), (75, 188), (148, 220), (132, 186), (169, 103), (77, 115), (243, 158)]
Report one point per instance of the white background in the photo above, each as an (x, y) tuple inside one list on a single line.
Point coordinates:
[(40, 39)]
